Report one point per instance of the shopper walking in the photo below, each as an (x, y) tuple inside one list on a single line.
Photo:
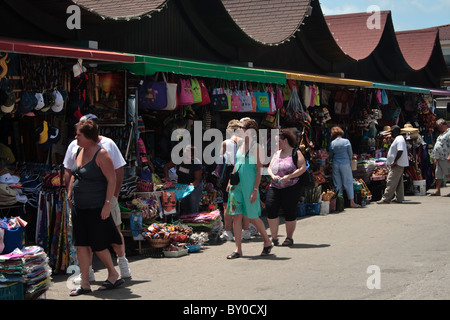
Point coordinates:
[(341, 153), (91, 189), (441, 155), (228, 152), (284, 191), (119, 162), (243, 197), (397, 160)]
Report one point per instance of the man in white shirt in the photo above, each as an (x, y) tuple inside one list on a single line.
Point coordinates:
[(397, 160), (118, 161)]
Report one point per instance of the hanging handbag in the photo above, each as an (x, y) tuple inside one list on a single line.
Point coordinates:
[(271, 120), (294, 108), (219, 100), (279, 98), (204, 92), (262, 101), (171, 94), (152, 95), (184, 94), (196, 91), (246, 101)]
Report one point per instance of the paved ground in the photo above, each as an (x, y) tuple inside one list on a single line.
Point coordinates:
[(407, 243)]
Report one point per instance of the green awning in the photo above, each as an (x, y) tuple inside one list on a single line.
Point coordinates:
[(148, 65), (395, 87)]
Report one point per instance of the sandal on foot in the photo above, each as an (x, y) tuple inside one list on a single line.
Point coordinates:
[(234, 255), (287, 242), (275, 242), (266, 251), (108, 285), (434, 194), (79, 291)]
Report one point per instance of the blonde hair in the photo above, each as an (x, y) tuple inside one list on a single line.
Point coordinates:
[(234, 124)]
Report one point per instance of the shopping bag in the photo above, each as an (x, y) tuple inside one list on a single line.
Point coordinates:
[(196, 91), (262, 101), (152, 95), (246, 101), (171, 95), (219, 100), (184, 94), (204, 92)]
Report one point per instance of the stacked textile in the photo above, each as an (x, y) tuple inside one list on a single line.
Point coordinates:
[(209, 220), (29, 266)]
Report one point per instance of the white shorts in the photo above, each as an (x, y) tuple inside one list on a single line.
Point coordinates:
[(115, 211), (442, 169)]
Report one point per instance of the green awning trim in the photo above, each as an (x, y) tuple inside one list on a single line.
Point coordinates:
[(148, 65), (395, 87)]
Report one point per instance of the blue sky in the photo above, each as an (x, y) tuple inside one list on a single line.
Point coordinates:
[(406, 14)]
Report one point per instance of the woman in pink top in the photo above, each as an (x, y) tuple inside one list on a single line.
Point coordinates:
[(284, 191)]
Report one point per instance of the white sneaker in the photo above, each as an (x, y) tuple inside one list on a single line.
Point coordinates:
[(246, 235), (253, 230), (77, 280), (227, 236), (123, 266)]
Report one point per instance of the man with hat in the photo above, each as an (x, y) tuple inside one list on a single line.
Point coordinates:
[(397, 160), (441, 155), (110, 146)]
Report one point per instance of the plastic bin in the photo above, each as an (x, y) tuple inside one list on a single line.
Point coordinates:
[(12, 292), (301, 210), (324, 208), (313, 209), (420, 187)]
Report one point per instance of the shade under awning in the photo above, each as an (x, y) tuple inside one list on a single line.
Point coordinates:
[(27, 47), (148, 65)]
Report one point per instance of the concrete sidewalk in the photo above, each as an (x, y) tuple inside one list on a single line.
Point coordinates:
[(331, 259)]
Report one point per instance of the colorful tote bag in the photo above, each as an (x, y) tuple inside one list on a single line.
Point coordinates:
[(152, 95), (184, 94), (246, 101), (171, 95), (196, 91), (219, 100), (235, 101), (262, 101), (204, 92)]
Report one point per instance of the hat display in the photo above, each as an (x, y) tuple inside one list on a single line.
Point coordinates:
[(7, 101), (386, 130), (49, 100), (40, 101), (27, 102), (41, 133), (59, 101), (53, 136), (9, 179)]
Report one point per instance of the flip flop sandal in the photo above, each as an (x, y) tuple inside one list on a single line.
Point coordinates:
[(266, 251), (275, 242), (287, 242), (434, 195), (108, 285), (234, 255), (79, 291)]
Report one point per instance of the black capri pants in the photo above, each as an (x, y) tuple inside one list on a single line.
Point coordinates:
[(286, 199), (91, 231)]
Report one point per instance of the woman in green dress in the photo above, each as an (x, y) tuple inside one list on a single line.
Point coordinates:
[(243, 198)]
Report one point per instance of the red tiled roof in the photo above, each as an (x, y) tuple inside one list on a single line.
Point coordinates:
[(352, 34), (417, 46), (269, 22), (444, 32), (121, 9)]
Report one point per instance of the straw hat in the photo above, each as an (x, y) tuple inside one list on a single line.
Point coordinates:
[(386, 130), (408, 129)]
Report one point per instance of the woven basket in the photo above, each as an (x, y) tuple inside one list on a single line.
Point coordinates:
[(158, 243)]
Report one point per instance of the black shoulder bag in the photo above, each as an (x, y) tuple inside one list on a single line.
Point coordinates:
[(306, 179)]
